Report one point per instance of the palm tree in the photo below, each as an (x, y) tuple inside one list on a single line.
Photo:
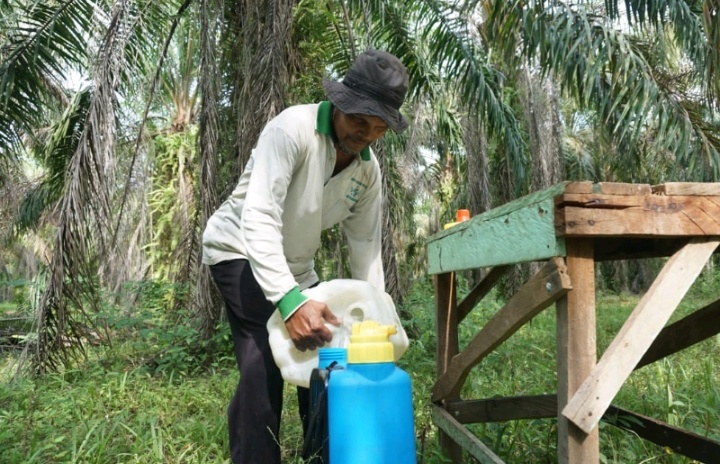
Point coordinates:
[(463, 58), (40, 44), (608, 71)]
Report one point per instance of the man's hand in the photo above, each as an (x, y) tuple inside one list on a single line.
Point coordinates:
[(307, 325)]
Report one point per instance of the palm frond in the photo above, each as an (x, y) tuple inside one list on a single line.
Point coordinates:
[(711, 22), (84, 213), (37, 48), (54, 149), (676, 16), (479, 84), (604, 70)]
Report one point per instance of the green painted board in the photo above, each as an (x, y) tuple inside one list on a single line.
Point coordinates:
[(520, 231)]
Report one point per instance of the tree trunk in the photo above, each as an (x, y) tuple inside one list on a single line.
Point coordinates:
[(264, 70), (479, 196), (263, 52), (389, 258), (542, 120), (207, 304)]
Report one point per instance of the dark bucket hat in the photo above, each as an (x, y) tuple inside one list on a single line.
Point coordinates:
[(375, 85)]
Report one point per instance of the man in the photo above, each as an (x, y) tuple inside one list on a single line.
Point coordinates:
[(311, 169)]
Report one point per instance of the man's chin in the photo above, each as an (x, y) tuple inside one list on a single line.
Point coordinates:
[(351, 149)]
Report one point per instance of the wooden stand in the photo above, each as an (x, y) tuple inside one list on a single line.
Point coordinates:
[(569, 227)]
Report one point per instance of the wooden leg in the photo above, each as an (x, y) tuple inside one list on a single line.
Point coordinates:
[(576, 351), (446, 322)]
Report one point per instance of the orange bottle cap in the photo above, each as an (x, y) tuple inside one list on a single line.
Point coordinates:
[(462, 215)]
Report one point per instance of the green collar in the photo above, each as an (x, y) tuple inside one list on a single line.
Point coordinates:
[(324, 126)]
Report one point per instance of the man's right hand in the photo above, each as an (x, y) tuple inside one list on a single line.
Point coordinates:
[(307, 325)]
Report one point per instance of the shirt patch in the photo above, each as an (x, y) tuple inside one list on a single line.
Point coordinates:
[(356, 190)]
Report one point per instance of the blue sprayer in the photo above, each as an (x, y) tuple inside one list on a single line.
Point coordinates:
[(370, 411), (315, 446)]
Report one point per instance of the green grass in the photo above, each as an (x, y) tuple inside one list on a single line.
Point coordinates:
[(154, 399)]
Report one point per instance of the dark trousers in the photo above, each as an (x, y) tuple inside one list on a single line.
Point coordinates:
[(255, 409)]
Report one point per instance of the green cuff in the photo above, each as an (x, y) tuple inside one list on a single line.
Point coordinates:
[(291, 302)]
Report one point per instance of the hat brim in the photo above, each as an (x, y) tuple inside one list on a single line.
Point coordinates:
[(351, 102)]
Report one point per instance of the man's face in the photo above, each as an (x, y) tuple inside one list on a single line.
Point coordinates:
[(357, 131)]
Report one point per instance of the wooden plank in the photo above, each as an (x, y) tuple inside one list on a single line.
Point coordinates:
[(694, 328), (608, 188), (480, 290), (463, 437), (599, 201), (545, 287), (692, 445), (684, 442), (576, 350), (503, 210), (503, 409), (446, 320), (446, 323), (687, 188), (632, 341), (520, 231), (659, 216), (580, 187), (618, 188)]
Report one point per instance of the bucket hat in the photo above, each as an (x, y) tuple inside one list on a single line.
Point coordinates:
[(375, 85)]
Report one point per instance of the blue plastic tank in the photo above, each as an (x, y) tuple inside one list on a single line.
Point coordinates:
[(315, 444), (370, 411), (326, 356)]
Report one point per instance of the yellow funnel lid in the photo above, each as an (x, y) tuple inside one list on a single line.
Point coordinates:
[(370, 343)]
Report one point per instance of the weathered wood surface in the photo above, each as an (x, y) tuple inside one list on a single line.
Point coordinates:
[(608, 188), (532, 228), (593, 200), (519, 231), (681, 441), (687, 188), (544, 288), (446, 322), (592, 399), (689, 444), (648, 216), (463, 437), (503, 409), (576, 350), (694, 328)]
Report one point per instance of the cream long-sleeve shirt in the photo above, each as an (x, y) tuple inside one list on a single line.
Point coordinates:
[(286, 196)]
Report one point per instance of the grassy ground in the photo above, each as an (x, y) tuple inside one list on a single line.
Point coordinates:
[(153, 399)]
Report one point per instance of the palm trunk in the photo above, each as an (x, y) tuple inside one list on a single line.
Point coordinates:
[(260, 90), (540, 109), (389, 259), (479, 195), (207, 304), (264, 71)]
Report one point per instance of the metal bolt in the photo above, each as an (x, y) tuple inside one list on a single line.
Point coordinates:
[(548, 286)]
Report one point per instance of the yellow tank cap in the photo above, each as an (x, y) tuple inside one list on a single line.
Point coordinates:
[(370, 343)]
